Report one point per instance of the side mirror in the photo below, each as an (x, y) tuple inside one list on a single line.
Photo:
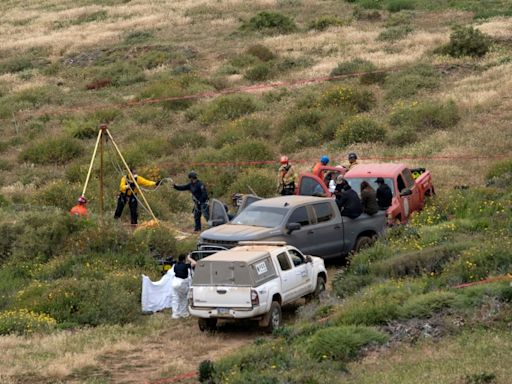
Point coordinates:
[(405, 192), (217, 222), (292, 227), (308, 259)]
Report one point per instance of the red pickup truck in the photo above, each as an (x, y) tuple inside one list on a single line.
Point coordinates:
[(410, 187)]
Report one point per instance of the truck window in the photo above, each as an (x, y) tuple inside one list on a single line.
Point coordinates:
[(401, 184), (310, 187), (284, 262), (300, 215), (323, 212), (409, 181), (262, 271), (297, 257)]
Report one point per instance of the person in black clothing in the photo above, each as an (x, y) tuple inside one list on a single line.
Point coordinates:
[(347, 199), (181, 286), (200, 197), (368, 199), (384, 194)]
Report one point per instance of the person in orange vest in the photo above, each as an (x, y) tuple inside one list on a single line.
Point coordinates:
[(324, 160), (80, 209), (128, 194)]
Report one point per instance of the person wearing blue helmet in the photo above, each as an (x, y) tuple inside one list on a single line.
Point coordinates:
[(324, 160)]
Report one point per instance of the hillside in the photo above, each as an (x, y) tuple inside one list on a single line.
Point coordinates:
[(421, 82)]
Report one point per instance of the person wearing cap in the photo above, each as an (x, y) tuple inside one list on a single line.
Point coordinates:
[(352, 160), (128, 191), (286, 177), (324, 160), (347, 199), (80, 209), (383, 194), (199, 196), (368, 199)]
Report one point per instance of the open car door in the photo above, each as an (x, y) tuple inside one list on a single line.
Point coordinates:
[(245, 201), (218, 213)]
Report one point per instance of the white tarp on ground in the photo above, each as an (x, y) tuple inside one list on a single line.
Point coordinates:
[(157, 295)]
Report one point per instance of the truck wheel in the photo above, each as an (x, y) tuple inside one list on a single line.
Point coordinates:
[(275, 317), (362, 243), (320, 287), (207, 324)]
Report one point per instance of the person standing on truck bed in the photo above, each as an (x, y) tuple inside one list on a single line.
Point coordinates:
[(368, 199), (128, 194), (347, 199), (384, 194), (352, 160), (181, 286), (286, 177), (200, 197)]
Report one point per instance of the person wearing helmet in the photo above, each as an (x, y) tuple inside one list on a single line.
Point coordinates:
[(324, 160), (80, 209), (286, 177), (199, 196), (352, 160), (128, 191)]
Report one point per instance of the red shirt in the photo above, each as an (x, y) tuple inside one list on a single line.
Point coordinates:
[(79, 210)]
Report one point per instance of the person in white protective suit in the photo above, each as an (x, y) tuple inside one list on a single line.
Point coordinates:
[(181, 285)]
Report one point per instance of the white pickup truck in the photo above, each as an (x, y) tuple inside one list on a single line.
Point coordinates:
[(253, 281)]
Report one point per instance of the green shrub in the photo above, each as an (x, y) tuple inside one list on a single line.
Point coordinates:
[(9, 232), (261, 181), (81, 129), (160, 241), (188, 138), (399, 5), (467, 41), (138, 37), (394, 33), (360, 13), (168, 88), (227, 108), (359, 129), (121, 74), (21, 61), (301, 138), (52, 151), (58, 193), (111, 238), (350, 99), (23, 321), (354, 66), (342, 343), (426, 116), (426, 261), (242, 129), (426, 305), (249, 150), (260, 72), (298, 119), (261, 52), (409, 82), (360, 262), (270, 22), (324, 22), (86, 301), (501, 169), (401, 136), (346, 284)]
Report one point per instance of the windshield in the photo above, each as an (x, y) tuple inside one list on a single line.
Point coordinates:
[(355, 183), (269, 217)]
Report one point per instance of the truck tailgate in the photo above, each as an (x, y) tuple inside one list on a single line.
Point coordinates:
[(222, 296)]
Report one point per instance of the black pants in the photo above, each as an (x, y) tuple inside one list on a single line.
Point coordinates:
[(132, 203)]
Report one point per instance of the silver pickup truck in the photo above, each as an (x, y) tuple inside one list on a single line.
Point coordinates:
[(312, 224)]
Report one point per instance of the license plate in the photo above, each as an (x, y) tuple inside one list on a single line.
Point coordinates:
[(223, 311)]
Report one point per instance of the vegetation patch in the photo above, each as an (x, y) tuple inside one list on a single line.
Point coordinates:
[(343, 343), (23, 321), (409, 82), (351, 99), (324, 22), (270, 23), (227, 108), (52, 151), (466, 41), (359, 129), (426, 116)]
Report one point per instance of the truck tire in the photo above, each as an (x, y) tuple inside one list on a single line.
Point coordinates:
[(363, 242), (275, 317), (208, 325), (320, 287)]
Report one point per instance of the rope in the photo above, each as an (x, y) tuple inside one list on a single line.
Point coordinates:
[(92, 162)]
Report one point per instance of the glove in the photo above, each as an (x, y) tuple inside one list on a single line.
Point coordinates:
[(159, 181)]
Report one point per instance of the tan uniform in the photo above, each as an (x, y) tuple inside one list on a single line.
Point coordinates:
[(352, 165), (287, 179)]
